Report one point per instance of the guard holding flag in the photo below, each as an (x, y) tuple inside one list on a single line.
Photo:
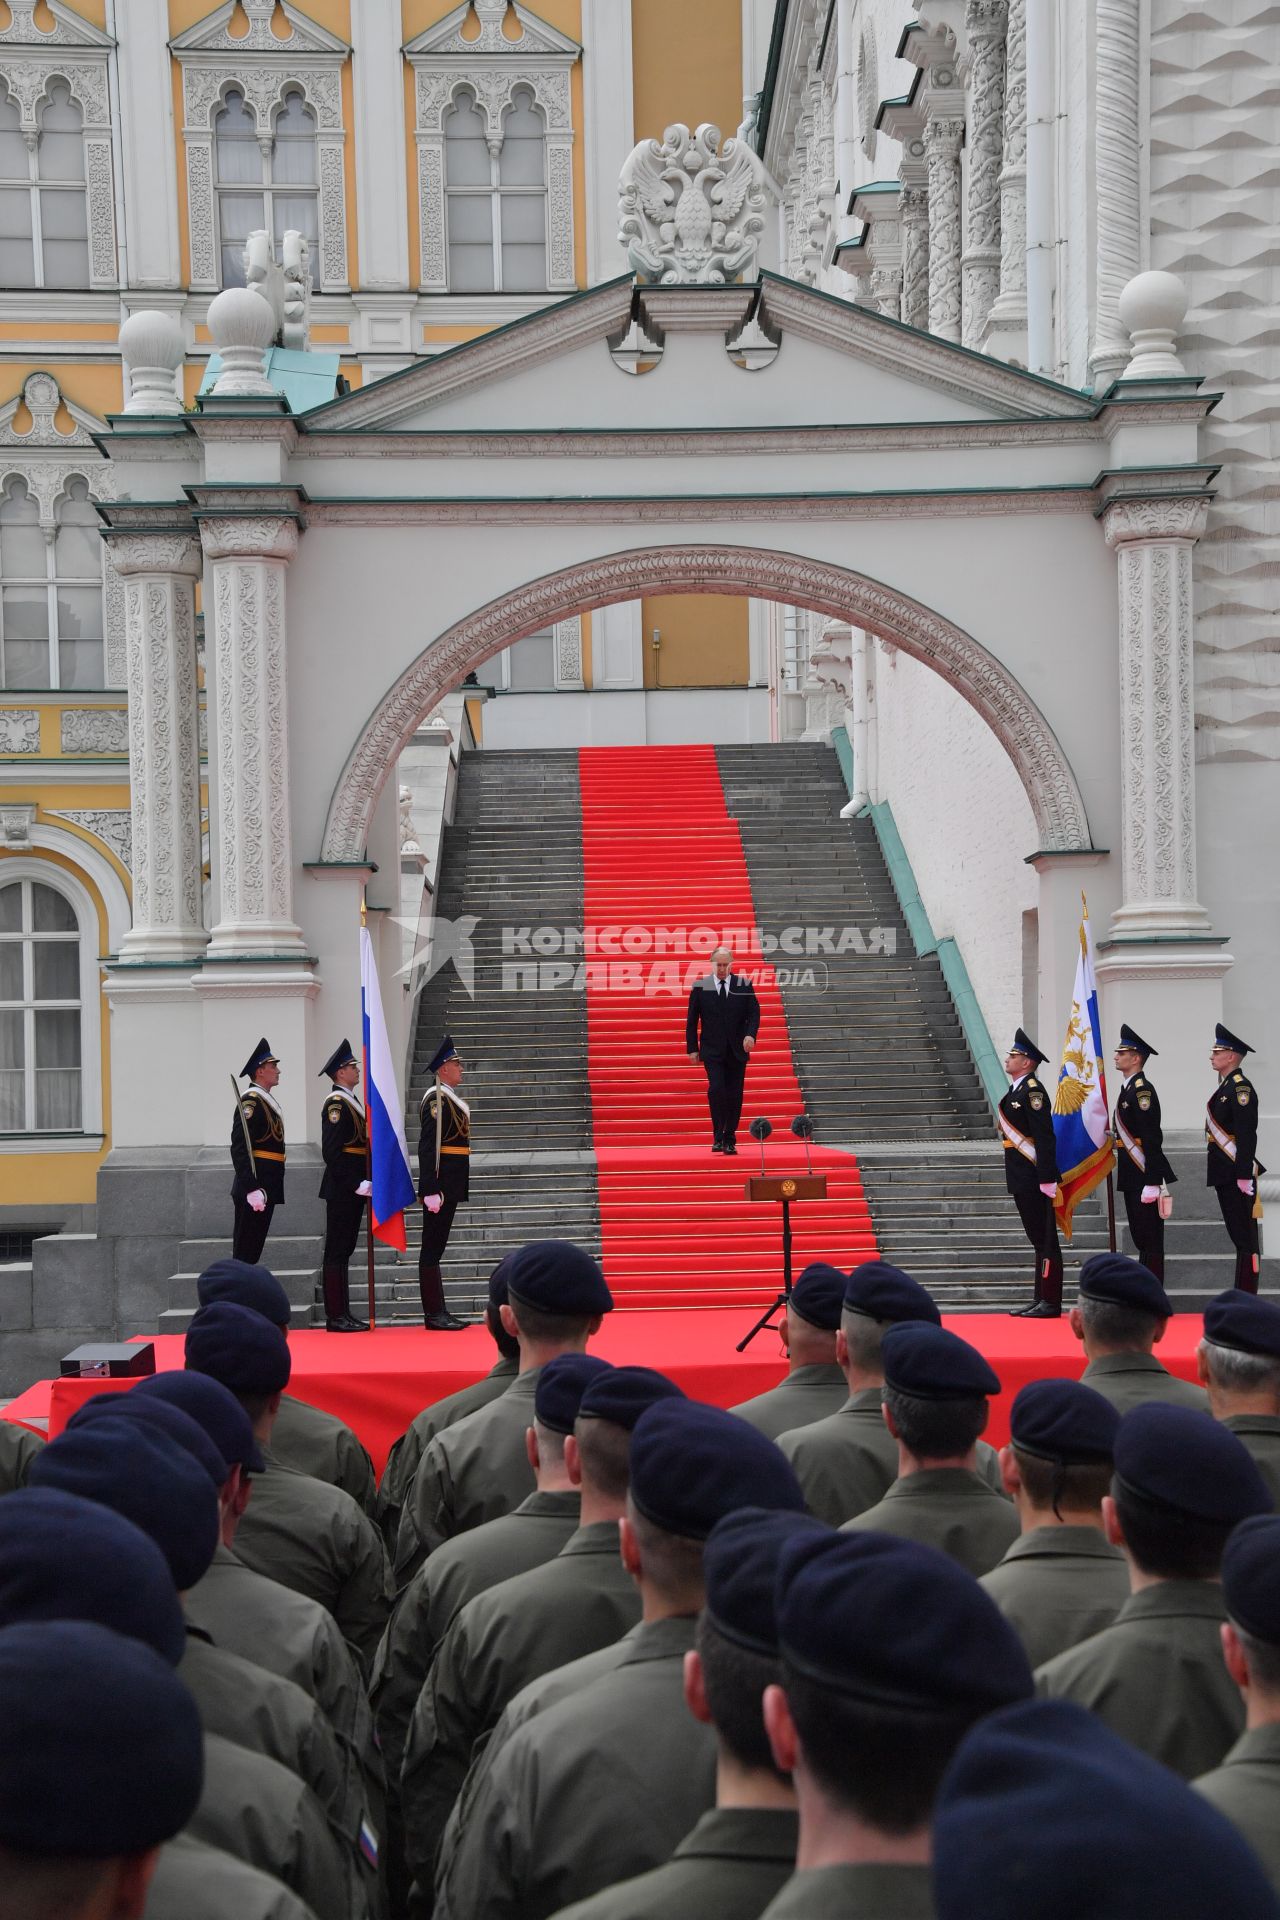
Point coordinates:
[(344, 1142), (444, 1160), (1231, 1130), (1031, 1171), (257, 1155), (1140, 1163)]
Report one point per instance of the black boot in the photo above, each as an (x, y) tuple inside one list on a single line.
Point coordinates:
[(435, 1315), (337, 1307)]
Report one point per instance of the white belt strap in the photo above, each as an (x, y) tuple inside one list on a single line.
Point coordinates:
[(1130, 1145), (1018, 1141), (1219, 1135)]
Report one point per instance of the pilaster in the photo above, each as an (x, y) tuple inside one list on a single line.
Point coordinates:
[(986, 22)]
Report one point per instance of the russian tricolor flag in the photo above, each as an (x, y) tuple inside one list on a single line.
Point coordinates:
[(393, 1188)]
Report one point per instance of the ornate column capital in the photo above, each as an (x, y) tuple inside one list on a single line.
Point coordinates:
[(1129, 521), (943, 136), (249, 537), (157, 553)]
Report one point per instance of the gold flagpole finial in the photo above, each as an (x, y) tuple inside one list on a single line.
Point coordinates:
[(364, 908)]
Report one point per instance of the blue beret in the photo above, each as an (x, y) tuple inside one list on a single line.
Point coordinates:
[(498, 1281), (883, 1292), (1244, 1321), (1044, 1811), (101, 1751), (245, 1286), (1250, 1576), (1063, 1420), (818, 1296), (166, 1422), (928, 1363), (622, 1394), (213, 1407), (560, 1387), (1189, 1462), (238, 1347), (62, 1558), (123, 1465), (691, 1464), (740, 1564), (556, 1277), (1125, 1283), (894, 1623)]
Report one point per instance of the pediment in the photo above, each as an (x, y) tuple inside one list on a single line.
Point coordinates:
[(446, 39), (68, 29), (42, 397), (213, 33)]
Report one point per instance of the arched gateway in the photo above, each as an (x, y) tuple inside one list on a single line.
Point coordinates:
[(1030, 542)]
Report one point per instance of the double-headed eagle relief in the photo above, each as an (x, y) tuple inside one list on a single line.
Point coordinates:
[(691, 209)]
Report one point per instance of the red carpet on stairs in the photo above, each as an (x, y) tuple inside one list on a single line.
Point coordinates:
[(665, 879)]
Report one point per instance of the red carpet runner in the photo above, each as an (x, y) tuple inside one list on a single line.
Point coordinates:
[(662, 859)]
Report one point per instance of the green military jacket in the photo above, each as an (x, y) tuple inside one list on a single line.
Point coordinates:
[(318, 1443), (1246, 1787), (847, 1462), (1261, 1434), (1130, 1380), (729, 1868), (950, 1508), (810, 1393), (316, 1539), (513, 1633), (456, 1573), (1156, 1677), (193, 1881), (470, 1473), (18, 1448), (856, 1893), (256, 1809), (402, 1461), (596, 1789), (1058, 1585)]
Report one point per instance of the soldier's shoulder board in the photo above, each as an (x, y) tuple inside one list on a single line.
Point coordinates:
[(1139, 1084), (1237, 1076)]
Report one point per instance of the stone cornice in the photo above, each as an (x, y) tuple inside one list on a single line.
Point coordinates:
[(638, 510)]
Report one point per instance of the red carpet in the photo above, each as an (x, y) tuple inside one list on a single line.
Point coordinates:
[(662, 859), (378, 1384)]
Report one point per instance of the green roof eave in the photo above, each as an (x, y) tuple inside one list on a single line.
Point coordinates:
[(773, 60)]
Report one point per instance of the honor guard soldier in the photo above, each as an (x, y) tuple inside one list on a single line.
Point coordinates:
[(1031, 1170), (257, 1155), (344, 1142), (1141, 1167), (444, 1161), (1231, 1130)]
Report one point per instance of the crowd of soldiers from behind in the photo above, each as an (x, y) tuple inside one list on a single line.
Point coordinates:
[(826, 1653)]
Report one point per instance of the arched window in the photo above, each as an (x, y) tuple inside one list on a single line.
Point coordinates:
[(40, 1010), (50, 591), (496, 202), (271, 184), (44, 221)]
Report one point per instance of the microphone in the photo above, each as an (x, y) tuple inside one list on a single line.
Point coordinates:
[(802, 1127), (760, 1130)]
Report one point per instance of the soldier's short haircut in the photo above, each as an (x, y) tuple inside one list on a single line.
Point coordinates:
[(735, 1679), (560, 1329), (550, 1444), (255, 1404), (506, 1343), (39, 1886), (1075, 1489), (1167, 1543), (1111, 1325), (864, 1337), (936, 1429), (1263, 1657), (1234, 1372), (672, 1564), (883, 1766), (605, 1448)]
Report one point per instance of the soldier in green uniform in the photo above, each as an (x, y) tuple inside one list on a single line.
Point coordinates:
[(444, 1163), (1120, 1316), (936, 1394), (402, 1461), (1141, 1166), (18, 1448), (605, 1784), (743, 1851), (344, 1146), (1062, 1579), (1246, 1787), (1231, 1136), (257, 1155), (1239, 1361), (814, 1385), (193, 1881), (479, 1468), (889, 1654), (1156, 1676), (1025, 1120), (300, 1531)]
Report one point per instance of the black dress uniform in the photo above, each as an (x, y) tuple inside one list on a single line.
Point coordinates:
[(1140, 1157), (722, 1015), (444, 1167), (1030, 1162), (1231, 1132), (258, 1161), (344, 1143)]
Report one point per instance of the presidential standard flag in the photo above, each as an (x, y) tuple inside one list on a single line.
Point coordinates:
[(1081, 1115), (393, 1189)]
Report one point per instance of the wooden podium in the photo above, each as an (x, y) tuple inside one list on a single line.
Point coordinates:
[(782, 1188)]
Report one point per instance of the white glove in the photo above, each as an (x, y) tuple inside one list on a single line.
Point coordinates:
[(257, 1199), (1245, 1186), (364, 1189), (1149, 1194), (1048, 1188), (747, 1042), (433, 1202)]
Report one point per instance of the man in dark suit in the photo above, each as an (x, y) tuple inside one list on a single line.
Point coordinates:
[(721, 1029), (344, 1188), (1141, 1167), (257, 1155), (1025, 1116), (1231, 1135)]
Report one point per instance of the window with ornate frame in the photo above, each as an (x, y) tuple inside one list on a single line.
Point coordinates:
[(496, 197), (41, 1008), (269, 184)]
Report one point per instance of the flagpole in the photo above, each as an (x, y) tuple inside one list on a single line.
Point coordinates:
[(368, 1161)]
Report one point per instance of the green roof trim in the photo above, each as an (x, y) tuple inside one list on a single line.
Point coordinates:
[(764, 113)]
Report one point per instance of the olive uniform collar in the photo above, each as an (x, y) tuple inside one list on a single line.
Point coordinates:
[(1045, 1542), (743, 1833), (1175, 1600)]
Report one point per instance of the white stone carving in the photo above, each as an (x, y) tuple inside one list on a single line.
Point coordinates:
[(1117, 179), (408, 831), (691, 208), (914, 207), (568, 651), (986, 22), (242, 326), (1151, 308), (153, 349), (19, 730), (42, 396), (284, 284), (1005, 331), (112, 825), (95, 730), (942, 152), (15, 828)]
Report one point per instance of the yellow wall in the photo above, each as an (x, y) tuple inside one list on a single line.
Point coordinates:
[(94, 385), (686, 58), (704, 640)]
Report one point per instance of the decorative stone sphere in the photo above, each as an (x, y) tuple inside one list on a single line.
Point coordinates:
[(242, 325), (1151, 308), (152, 347)]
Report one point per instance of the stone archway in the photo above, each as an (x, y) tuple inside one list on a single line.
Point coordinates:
[(976, 674)]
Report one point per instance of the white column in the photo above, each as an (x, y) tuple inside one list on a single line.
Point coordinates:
[(986, 21), (382, 216), (942, 152), (159, 572), (244, 600), (148, 146), (914, 208), (608, 129), (1117, 175), (1006, 328)]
